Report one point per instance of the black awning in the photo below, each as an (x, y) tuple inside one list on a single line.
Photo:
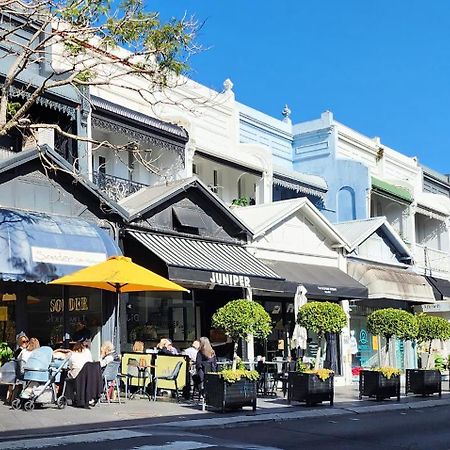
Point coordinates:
[(441, 287), (321, 282), (208, 263)]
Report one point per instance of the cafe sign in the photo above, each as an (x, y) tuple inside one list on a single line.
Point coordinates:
[(229, 279), (75, 304)]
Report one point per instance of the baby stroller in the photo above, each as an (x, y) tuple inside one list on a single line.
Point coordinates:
[(40, 376)]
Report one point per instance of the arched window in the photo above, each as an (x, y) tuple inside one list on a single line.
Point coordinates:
[(346, 207)]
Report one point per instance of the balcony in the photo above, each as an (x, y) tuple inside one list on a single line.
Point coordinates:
[(431, 260), (116, 188)]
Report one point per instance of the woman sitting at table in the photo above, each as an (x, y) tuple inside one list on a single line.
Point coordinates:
[(138, 347), (108, 354), (79, 357), (206, 360), (32, 344)]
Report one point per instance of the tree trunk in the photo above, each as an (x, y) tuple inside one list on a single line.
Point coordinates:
[(319, 349), (235, 347), (429, 355)]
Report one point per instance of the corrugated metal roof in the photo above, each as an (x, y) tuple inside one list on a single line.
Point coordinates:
[(308, 180), (355, 231), (203, 255), (396, 191), (144, 119)]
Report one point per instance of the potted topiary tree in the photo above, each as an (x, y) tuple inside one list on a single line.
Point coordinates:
[(427, 380), (6, 354), (236, 387), (316, 385), (384, 381)]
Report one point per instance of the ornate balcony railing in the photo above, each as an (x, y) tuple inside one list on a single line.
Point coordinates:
[(116, 188)]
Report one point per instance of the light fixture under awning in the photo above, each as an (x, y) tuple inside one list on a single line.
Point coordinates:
[(38, 247), (391, 283)]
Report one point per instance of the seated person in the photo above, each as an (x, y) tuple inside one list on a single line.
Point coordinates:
[(79, 357), (138, 347), (206, 359), (32, 344), (22, 342), (165, 347), (81, 333), (108, 354)]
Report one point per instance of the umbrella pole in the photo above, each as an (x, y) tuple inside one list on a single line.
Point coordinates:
[(116, 327)]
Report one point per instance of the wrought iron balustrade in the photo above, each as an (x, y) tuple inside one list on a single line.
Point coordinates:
[(116, 188)]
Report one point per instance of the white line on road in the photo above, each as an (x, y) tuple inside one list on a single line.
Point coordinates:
[(177, 445), (73, 439)]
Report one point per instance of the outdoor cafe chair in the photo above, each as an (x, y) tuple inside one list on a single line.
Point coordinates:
[(111, 380), (141, 374), (172, 376)]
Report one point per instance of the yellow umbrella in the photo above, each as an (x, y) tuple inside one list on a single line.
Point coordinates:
[(119, 274)]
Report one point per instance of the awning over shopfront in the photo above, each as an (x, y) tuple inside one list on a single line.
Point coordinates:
[(37, 247), (208, 263), (392, 284), (320, 281), (441, 288)]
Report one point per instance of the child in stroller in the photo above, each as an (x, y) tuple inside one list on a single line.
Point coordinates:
[(41, 375)]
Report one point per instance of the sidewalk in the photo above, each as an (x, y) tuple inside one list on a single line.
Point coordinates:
[(141, 412)]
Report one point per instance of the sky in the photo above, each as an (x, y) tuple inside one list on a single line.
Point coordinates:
[(382, 68)]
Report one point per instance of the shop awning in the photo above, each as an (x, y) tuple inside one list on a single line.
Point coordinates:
[(321, 282), (398, 192), (208, 263), (441, 287), (391, 283), (38, 247)]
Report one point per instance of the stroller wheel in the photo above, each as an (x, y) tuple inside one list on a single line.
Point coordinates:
[(61, 403), (28, 406), (16, 403)]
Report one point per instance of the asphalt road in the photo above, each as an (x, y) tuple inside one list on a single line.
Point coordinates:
[(427, 429)]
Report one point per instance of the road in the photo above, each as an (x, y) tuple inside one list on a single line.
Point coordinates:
[(427, 429)]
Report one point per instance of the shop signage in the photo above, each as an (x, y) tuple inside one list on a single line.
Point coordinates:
[(441, 306), (327, 289), (75, 304), (66, 257), (228, 279)]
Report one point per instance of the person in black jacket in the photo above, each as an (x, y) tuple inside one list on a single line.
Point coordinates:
[(206, 360)]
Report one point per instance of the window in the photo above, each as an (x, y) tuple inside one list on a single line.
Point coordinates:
[(102, 165)]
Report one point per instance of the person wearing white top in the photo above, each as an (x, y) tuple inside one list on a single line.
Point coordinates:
[(79, 357)]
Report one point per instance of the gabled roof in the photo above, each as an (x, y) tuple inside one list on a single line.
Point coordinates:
[(146, 199), (45, 152), (357, 231), (261, 218)]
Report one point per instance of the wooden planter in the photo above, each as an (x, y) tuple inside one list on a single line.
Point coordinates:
[(374, 384), (423, 382), (222, 395), (309, 388)]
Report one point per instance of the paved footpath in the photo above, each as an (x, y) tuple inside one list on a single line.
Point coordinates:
[(189, 416)]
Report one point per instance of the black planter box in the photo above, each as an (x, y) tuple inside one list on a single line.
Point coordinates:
[(374, 384), (423, 382), (222, 395), (309, 388)]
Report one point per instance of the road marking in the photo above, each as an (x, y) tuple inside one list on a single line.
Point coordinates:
[(73, 439), (176, 445)]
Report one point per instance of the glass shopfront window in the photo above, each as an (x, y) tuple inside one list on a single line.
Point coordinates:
[(152, 316), (45, 307)]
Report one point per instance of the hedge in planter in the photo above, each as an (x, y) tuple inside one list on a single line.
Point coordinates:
[(234, 388), (427, 381), (316, 385), (384, 382)]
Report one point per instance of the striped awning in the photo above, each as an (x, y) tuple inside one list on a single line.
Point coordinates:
[(200, 261)]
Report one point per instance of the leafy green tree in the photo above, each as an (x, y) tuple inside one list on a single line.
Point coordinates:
[(241, 318), (77, 44), (430, 328), (321, 318), (391, 322)]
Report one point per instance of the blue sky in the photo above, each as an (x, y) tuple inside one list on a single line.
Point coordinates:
[(382, 67)]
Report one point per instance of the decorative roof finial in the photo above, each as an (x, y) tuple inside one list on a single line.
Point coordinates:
[(286, 113), (228, 85)]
